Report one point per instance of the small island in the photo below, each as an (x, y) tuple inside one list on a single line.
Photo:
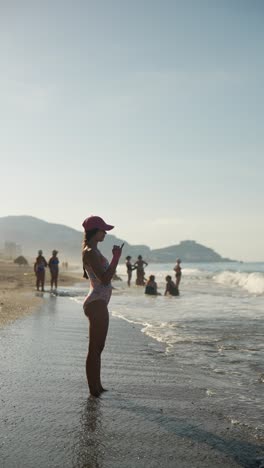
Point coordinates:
[(187, 251)]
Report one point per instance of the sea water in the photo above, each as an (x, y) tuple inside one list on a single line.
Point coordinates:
[(214, 330)]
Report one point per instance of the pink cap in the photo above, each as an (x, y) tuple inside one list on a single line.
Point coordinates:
[(95, 222)]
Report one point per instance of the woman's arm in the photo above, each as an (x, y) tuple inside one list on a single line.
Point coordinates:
[(92, 258)]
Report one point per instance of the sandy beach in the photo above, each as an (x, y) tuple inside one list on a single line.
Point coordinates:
[(153, 415), (17, 290)]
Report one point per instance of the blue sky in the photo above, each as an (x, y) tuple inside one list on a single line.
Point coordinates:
[(148, 113)]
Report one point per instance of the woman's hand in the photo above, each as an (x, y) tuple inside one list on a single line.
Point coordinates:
[(117, 251)]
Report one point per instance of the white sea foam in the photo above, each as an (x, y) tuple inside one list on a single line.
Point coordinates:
[(191, 272), (216, 324), (123, 317), (252, 282)]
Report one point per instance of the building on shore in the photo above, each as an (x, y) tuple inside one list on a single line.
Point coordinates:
[(12, 250)]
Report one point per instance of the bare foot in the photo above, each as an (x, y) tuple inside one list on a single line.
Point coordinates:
[(95, 393), (102, 389)]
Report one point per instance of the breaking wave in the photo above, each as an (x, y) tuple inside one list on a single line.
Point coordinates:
[(251, 282)]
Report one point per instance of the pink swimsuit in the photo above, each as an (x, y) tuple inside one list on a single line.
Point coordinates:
[(98, 290)]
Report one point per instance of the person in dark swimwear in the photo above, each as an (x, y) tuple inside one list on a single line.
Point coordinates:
[(100, 273), (39, 269), (152, 287), (130, 268), (139, 266), (171, 287), (178, 272), (53, 264)]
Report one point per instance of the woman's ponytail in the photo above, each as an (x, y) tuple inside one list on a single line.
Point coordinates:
[(85, 274)]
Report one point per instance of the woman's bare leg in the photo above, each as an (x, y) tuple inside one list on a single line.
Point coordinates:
[(129, 278), (178, 280), (98, 315), (42, 281), (54, 281)]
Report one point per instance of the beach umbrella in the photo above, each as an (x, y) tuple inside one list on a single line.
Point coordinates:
[(21, 260)]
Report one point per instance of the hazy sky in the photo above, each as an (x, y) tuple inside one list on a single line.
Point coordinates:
[(146, 112)]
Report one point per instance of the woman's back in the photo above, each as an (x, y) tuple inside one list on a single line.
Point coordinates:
[(151, 288), (172, 289)]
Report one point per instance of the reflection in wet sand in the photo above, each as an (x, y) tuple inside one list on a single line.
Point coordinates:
[(155, 414), (89, 448)]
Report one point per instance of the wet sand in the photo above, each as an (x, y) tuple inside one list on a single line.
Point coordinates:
[(17, 290), (154, 414)]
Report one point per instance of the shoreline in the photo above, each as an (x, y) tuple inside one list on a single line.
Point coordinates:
[(152, 402)]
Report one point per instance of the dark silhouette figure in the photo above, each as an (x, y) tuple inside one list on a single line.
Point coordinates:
[(152, 287), (171, 287), (54, 269), (139, 266), (39, 269), (178, 272), (130, 268)]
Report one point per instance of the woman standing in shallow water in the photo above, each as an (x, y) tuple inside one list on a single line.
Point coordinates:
[(100, 273), (130, 268), (139, 266), (178, 272)]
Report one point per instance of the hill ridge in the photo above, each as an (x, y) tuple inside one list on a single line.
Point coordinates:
[(34, 233)]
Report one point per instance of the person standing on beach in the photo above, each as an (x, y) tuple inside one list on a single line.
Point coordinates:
[(139, 266), (100, 273), (178, 272), (39, 269), (130, 268), (54, 269)]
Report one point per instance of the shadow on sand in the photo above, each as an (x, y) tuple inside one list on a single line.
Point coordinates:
[(92, 448)]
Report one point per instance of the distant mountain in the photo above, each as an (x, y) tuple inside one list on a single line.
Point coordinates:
[(187, 251), (33, 234)]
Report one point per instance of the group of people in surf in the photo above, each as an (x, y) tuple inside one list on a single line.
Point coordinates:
[(40, 266), (139, 266), (151, 288)]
